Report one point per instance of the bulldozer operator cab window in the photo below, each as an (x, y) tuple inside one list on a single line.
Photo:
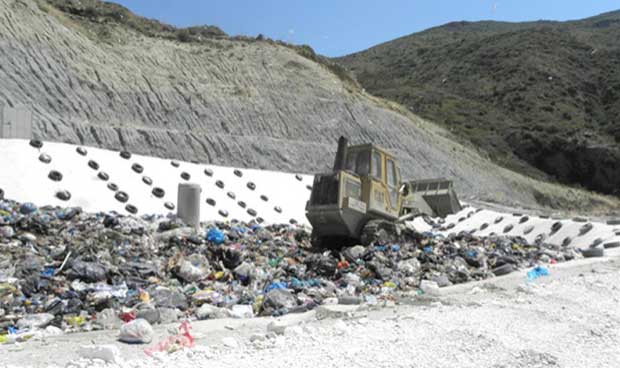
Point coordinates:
[(358, 162), (376, 165), (392, 181), (392, 177)]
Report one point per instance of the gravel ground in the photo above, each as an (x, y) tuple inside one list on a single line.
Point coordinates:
[(570, 319)]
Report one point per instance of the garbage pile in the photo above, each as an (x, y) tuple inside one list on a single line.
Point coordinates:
[(64, 269)]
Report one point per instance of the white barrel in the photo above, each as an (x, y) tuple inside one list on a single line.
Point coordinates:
[(188, 203)]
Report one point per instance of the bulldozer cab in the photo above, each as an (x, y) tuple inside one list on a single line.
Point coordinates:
[(377, 171), (364, 185)]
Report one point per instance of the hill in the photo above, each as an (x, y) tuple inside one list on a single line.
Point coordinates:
[(542, 98), (97, 75)]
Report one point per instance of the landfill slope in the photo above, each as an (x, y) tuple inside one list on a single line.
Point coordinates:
[(65, 270), (234, 102)]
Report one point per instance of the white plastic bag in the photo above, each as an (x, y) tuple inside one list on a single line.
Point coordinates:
[(138, 331)]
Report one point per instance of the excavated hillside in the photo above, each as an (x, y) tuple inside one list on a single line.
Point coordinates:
[(95, 74)]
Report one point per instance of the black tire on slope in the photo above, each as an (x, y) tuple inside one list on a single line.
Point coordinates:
[(121, 197), (158, 192), (36, 143), (63, 195), (611, 245), (593, 252), (137, 168), (169, 206), (103, 176), (93, 165), (131, 209), (45, 158), (55, 175)]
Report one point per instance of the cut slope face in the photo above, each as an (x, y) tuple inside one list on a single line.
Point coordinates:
[(228, 102), (542, 97)]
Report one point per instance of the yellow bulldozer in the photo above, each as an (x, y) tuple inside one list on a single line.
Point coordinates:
[(364, 195)]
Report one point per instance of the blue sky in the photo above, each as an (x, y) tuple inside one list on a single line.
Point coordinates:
[(340, 27)]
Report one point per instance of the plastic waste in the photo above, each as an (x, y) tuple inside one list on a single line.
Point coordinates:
[(207, 311), (34, 321), (215, 236), (429, 287), (138, 331), (242, 311), (97, 267), (194, 268), (181, 340), (27, 208), (275, 285), (277, 299), (537, 272)]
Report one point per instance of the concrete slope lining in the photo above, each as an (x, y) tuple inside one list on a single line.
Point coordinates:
[(102, 180)]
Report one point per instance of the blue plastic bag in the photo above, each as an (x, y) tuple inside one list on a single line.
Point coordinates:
[(537, 272), (215, 236), (275, 285)]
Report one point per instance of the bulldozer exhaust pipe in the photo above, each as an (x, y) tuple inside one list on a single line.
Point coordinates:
[(341, 154)]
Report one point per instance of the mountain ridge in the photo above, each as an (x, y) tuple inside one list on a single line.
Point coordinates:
[(540, 97)]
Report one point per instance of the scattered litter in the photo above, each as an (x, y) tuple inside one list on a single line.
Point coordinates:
[(138, 331), (537, 272), (182, 339)]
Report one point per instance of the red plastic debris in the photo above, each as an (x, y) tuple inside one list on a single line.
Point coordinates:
[(175, 342), (128, 316)]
